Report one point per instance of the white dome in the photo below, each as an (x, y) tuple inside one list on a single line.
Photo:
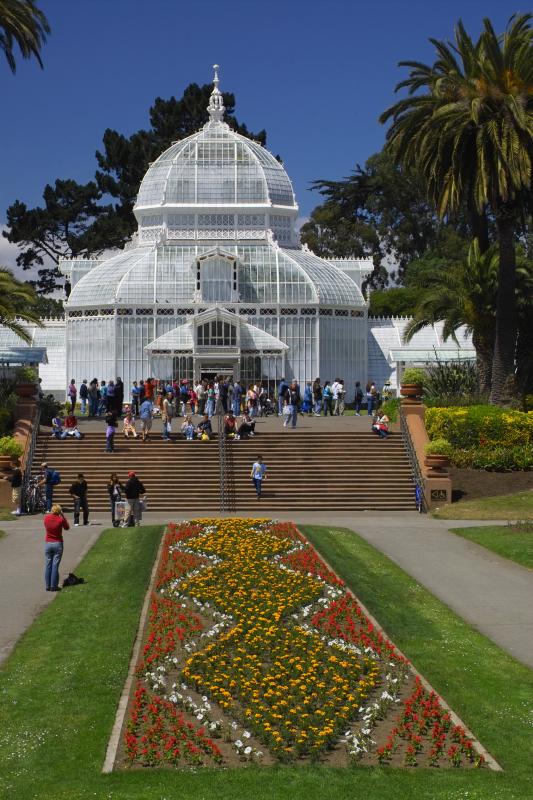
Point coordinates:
[(215, 166)]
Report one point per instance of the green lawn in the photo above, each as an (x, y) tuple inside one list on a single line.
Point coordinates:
[(505, 540), (61, 685), (507, 506)]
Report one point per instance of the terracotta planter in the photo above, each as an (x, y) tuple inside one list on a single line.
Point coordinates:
[(437, 464), (5, 463), (411, 393), (26, 390)]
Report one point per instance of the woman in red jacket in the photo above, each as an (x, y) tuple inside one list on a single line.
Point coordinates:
[(54, 525)]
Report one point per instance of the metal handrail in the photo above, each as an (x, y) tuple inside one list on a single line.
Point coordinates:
[(413, 459), (225, 467), (29, 452)]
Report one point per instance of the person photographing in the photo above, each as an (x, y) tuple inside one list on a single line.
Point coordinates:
[(54, 524)]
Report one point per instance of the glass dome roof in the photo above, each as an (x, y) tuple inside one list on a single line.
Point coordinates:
[(215, 166)]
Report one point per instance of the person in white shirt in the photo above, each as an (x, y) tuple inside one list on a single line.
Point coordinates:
[(335, 386), (258, 475)]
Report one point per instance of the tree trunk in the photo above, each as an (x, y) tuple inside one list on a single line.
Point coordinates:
[(524, 357), (503, 364), (480, 229), (484, 351)]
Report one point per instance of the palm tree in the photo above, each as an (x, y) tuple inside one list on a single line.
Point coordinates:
[(17, 305), (22, 23), (464, 294), (467, 125)]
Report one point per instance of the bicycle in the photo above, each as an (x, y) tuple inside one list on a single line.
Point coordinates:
[(34, 498), (419, 498)]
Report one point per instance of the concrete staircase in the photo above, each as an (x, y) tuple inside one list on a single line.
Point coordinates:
[(344, 471)]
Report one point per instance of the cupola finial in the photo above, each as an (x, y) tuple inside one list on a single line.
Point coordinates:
[(216, 103)]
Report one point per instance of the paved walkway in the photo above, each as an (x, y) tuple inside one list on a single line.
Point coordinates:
[(491, 593)]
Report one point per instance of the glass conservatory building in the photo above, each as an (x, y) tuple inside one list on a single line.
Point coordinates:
[(215, 280)]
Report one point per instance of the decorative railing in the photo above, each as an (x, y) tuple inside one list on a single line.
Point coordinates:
[(413, 462)]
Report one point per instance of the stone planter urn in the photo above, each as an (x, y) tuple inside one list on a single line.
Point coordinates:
[(411, 393), (5, 463), (437, 464), (26, 390)]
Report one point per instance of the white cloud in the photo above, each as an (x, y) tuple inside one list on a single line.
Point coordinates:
[(8, 258)]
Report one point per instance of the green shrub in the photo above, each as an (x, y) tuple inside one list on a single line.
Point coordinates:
[(27, 375), (480, 426), (391, 408), (414, 375), (49, 409), (9, 447), (495, 459), (447, 380), (6, 421), (438, 447)]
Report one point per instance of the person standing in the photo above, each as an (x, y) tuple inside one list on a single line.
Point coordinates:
[(307, 405), (110, 430), (370, 397), (258, 475), (293, 400), (94, 397), (166, 416), (133, 490), (283, 389), (236, 399), (110, 397), (223, 391), (211, 400), (54, 525), (114, 490), (327, 399), (15, 479), (119, 397), (78, 492), (49, 479), (145, 414), (358, 398), (341, 394), (317, 397), (201, 397), (135, 397), (84, 396), (72, 394)]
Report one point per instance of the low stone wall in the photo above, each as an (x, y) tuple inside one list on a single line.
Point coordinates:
[(437, 489)]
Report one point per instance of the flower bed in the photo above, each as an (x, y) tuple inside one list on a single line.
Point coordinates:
[(255, 652)]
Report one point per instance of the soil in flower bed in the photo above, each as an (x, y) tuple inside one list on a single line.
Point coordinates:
[(254, 653), (469, 484)]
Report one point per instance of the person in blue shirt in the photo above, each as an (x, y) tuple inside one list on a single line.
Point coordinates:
[(135, 397), (145, 414), (283, 390), (237, 397), (307, 405), (258, 475)]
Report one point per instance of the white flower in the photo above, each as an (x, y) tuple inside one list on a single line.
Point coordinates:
[(246, 734), (238, 744), (247, 750)]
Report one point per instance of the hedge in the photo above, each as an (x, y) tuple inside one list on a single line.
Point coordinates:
[(480, 427)]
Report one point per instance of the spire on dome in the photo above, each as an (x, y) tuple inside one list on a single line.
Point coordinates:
[(216, 103)]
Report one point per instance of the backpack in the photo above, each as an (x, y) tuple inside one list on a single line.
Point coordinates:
[(55, 478)]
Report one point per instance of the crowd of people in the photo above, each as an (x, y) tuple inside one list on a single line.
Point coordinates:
[(239, 406)]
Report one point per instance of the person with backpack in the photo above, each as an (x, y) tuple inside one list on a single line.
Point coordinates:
[(72, 394), (327, 399), (283, 390), (49, 479), (134, 491), (317, 397), (78, 492), (84, 396), (358, 399), (145, 415)]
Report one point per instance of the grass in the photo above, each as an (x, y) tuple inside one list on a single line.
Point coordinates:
[(505, 540), (61, 685), (507, 506), (5, 514)]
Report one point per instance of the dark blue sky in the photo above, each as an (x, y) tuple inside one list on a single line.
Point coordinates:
[(315, 74)]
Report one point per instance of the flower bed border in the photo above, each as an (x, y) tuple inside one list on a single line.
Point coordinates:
[(120, 718)]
